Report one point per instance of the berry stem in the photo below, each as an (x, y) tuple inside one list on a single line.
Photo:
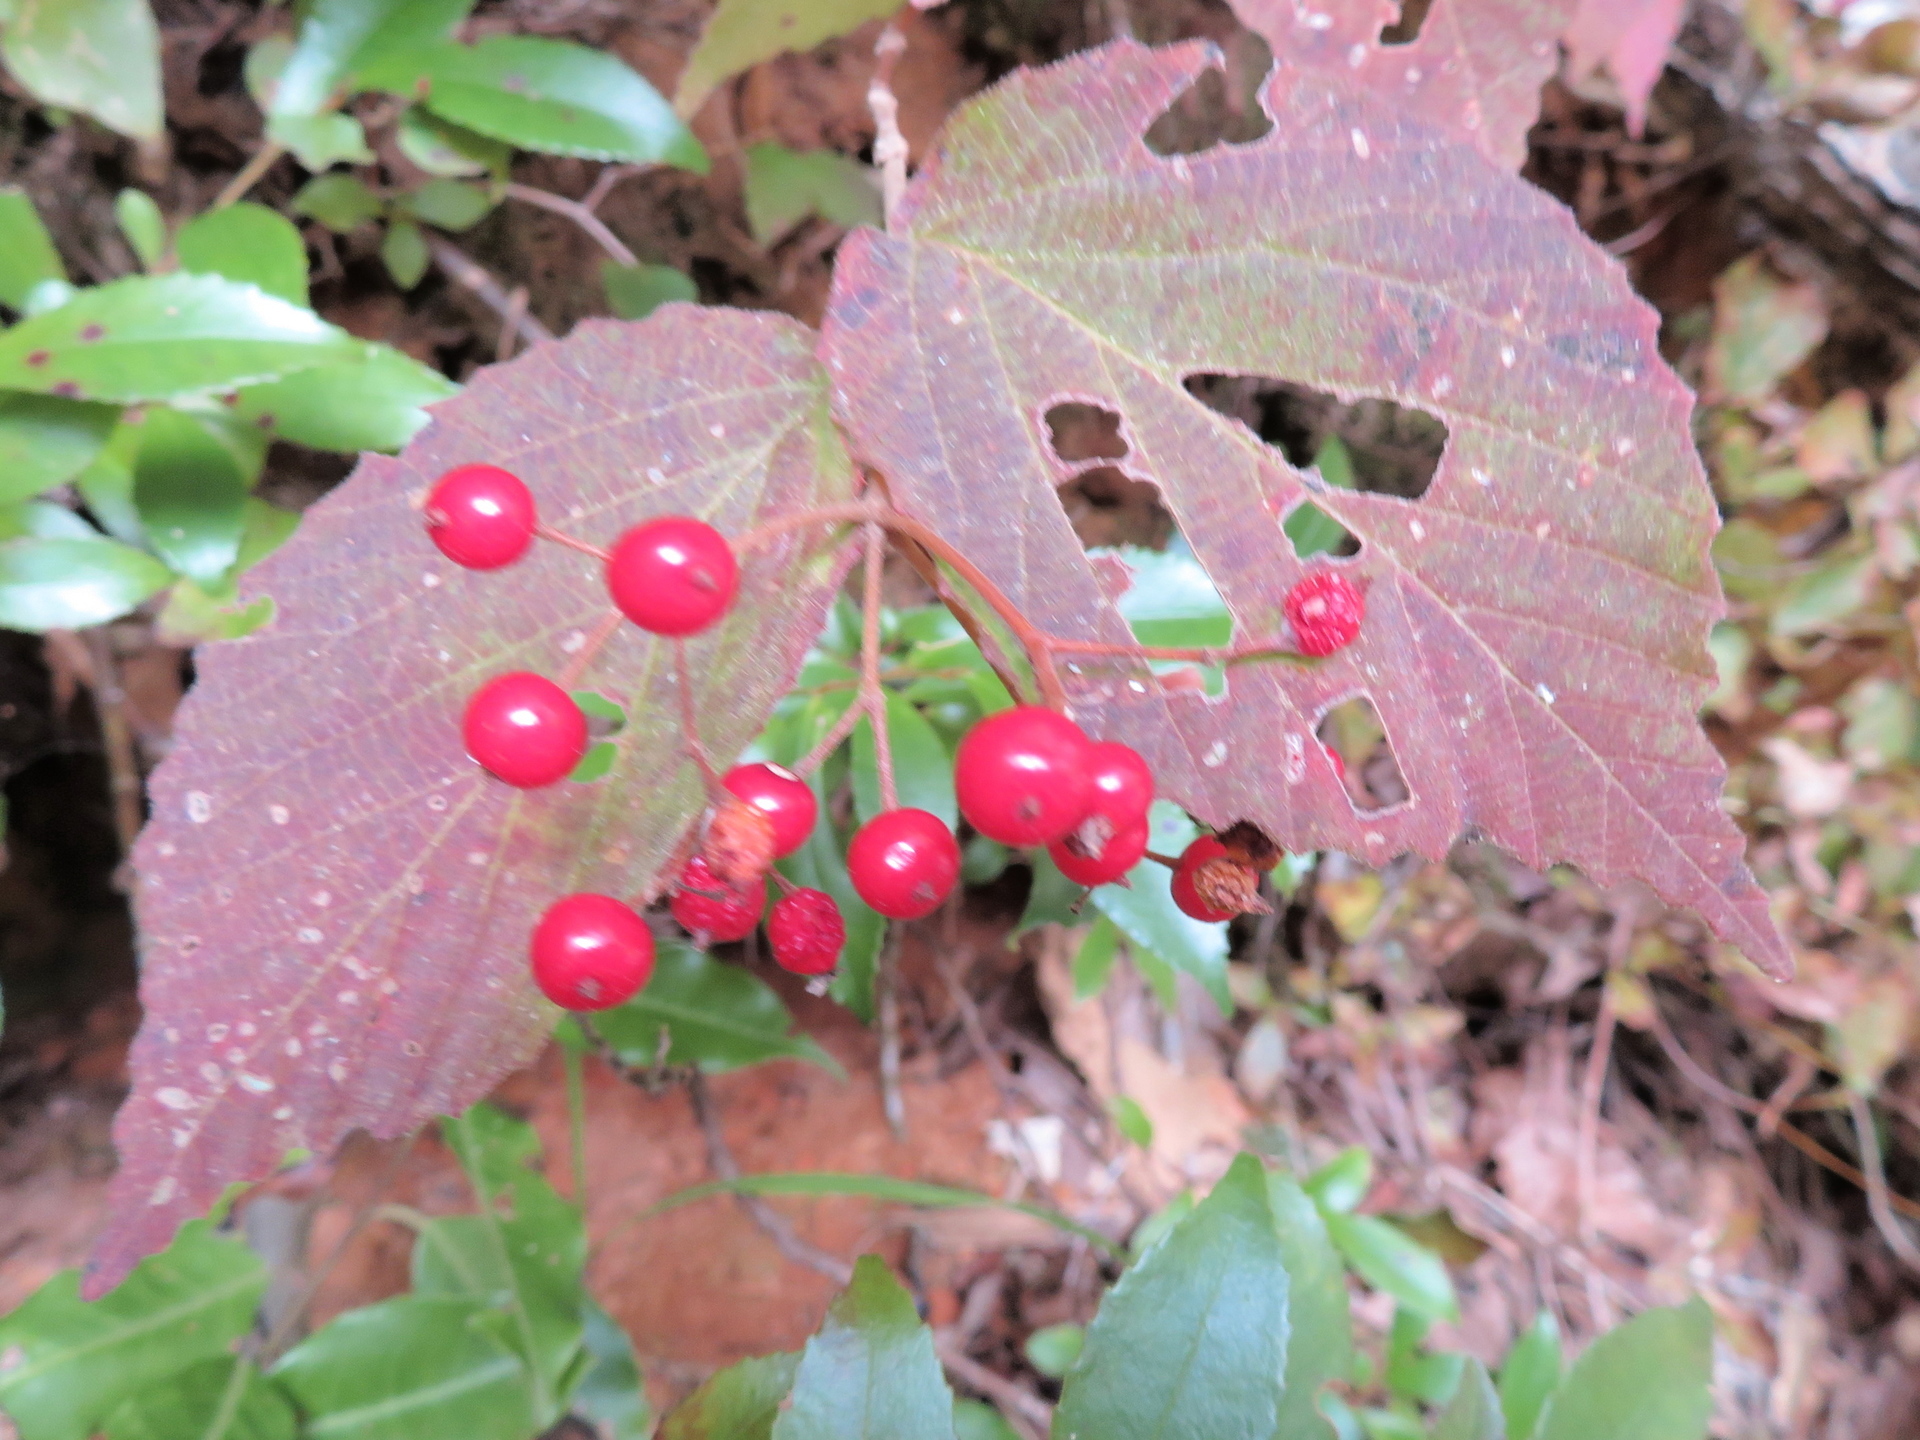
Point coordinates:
[(547, 532), (596, 642), (689, 731), (1172, 862), (873, 698), (830, 742)]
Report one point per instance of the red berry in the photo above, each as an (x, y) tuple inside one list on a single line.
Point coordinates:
[(904, 863), (480, 516), (782, 796), (1201, 852), (1121, 853), (673, 576), (1325, 611), (590, 951), (1021, 776), (1120, 784), (706, 905), (525, 729), (806, 932)]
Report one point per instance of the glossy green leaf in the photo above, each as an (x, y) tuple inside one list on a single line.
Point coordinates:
[(922, 766), (1474, 1411), (1412, 1371), (97, 56), (27, 256), (339, 202), (1388, 1259), (1143, 908), (44, 519), (1530, 1375), (164, 338), (247, 243), (267, 527), (636, 291), (1093, 961), (441, 148), (975, 1420), (742, 33), (596, 764), (65, 1365), (377, 401), (404, 252), (1645, 1380), (719, 1017), (737, 1403), (1191, 1343), (1157, 1226), (544, 95), (610, 1394), (191, 494), (1320, 1341), (221, 1399), (1052, 1349), (320, 141), (1131, 1120), (193, 615), (784, 187), (1343, 1182), (338, 37), (871, 1370), (46, 442), (413, 1368), (65, 584), (143, 225)]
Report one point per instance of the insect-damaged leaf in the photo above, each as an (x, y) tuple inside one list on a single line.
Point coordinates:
[(334, 901), (1535, 627)]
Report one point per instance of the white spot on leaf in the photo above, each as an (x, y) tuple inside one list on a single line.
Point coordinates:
[(174, 1098), (199, 806)]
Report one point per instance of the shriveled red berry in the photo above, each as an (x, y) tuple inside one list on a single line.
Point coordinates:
[(904, 863), (1325, 611), (1202, 852), (1021, 776), (590, 951), (480, 516), (782, 796), (524, 729), (673, 576), (1120, 853), (706, 905), (806, 932), (738, 843)]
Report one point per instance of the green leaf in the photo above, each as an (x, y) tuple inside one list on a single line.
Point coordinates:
[(1474, 1411), (166, 338), (1093, 961), (1131, 1120), (1646, 1380), (974, 1420), (44, 519), (376, 401), (785, 186), (720, 1017), (922, 767), (46, 442), (449, 204), (1412, 1373), (247, 243), (191, 494), (636, 291), (1311, 529), (266, 529), (192, 615), (596, 764), (97, 56), (1192, 1341), (1157, 1226), (404, 252), (1052, 1349), (1826, 597), (544, 95), (339, 37), (321, 141), (412, 1368), (610, 1393), (66, 1365), (1530, 1375), (1143, 908), (340, 202), (143, 225), (65, 584), (1388, 1259), (1320, 1345), (1343, 1182), (222, 1399), (27, 256), (742, 33), (1170, 599), (441, 148), (737, 1403), (871, 1370)]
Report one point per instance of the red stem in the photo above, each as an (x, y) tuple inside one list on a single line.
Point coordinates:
[(689, 732), (547, 532)]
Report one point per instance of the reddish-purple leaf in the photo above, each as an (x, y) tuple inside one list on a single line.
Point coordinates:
[(334, 901), (1475, 68), (1535, 628), (1633, 38)]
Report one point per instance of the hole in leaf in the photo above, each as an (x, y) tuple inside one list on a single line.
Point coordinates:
[(1221, 106), (1406, 30), (1107, 507), (1078, 431), (1168, 599), (1352, 732), (1391, 449)]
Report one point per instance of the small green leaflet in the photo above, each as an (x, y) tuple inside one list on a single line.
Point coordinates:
[(46, 442), (742, 33), (718, 1016), (339, 37), (249, 244), (1389, 1259), (636, 291), (97, 56), (870, 1371), (64, 584), (785, 186), (377, 401), (143, 225), (1646, 1380), (1144, 911), (191, 494), (218, 1399), (1530, 1375), (27, 256), (737, 1403)]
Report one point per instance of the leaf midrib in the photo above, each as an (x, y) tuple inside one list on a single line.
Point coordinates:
[(202, 1300)]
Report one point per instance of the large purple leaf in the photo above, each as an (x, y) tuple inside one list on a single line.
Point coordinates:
[(1535, 628), (334, 902)]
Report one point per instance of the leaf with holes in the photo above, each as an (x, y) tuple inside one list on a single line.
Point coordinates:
[(1534, 638), (335, 901)]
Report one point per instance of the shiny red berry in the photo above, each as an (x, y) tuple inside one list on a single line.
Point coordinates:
[(1186, 895), (673, 576), (480, 516), (1120, 853), (782, 796), (590, 951), (904, 863), (1021, 776), (806, 932), (1120, 784), (525, 729), (706, 905), (1325, 611)]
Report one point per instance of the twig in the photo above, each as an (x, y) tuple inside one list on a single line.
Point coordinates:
[(1027, 1413), (603, 183), (1592, 1087), (889, 145), (249, 175), (595, 228), (116, 735), (465, 271), (504, 347), (1891, 1230)]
